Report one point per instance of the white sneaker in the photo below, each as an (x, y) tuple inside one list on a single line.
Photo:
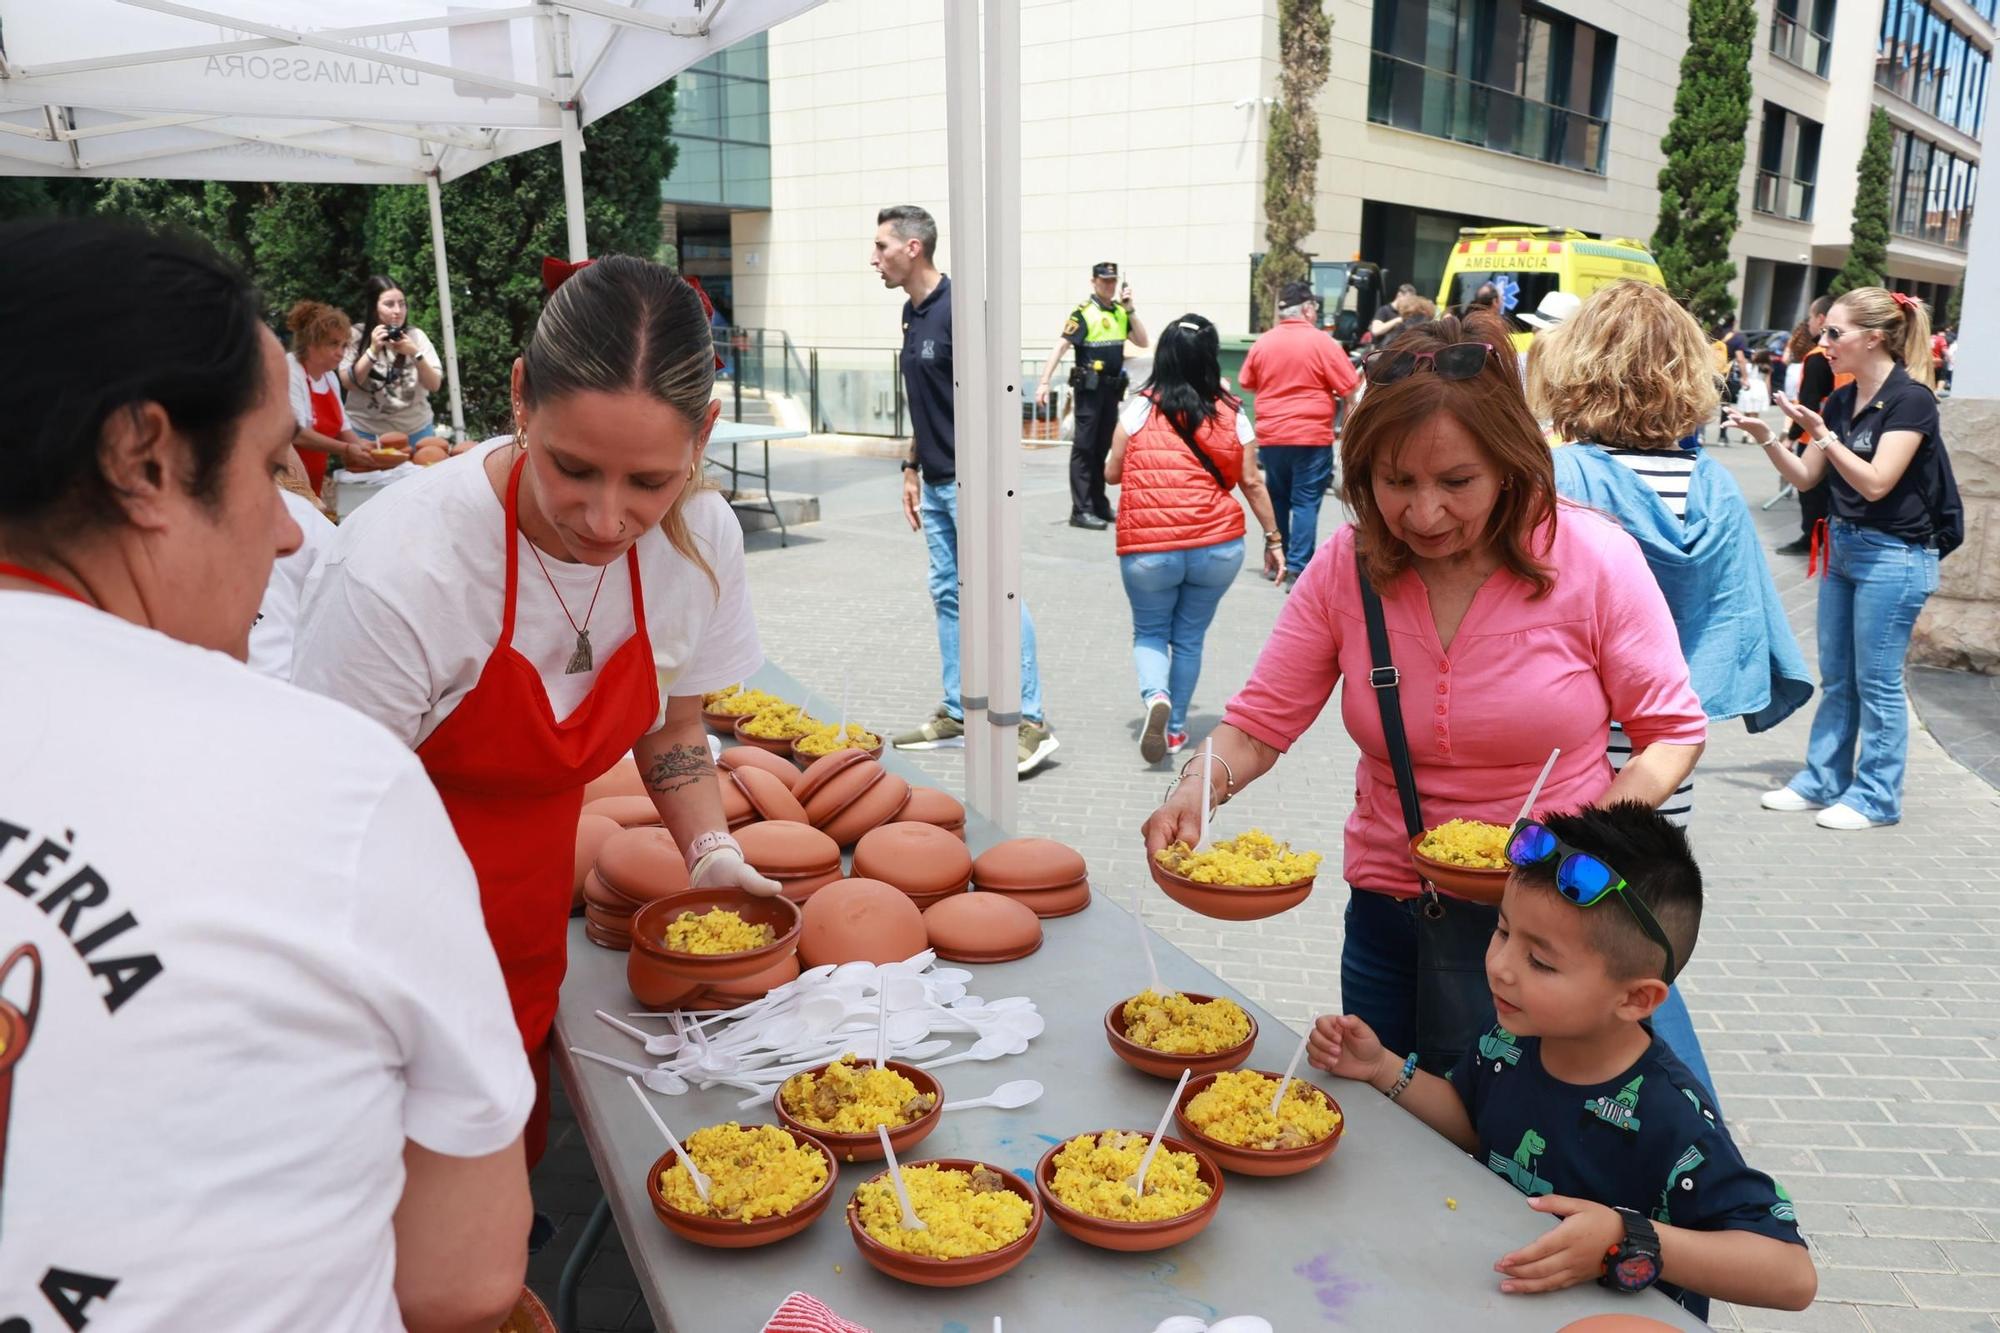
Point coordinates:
[(1846, 819), (1787, 801)]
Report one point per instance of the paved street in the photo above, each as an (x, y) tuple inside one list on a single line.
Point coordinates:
[(1844, 986)]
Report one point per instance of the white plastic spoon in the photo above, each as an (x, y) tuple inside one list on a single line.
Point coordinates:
[(1007, 1097), (986, 1048), (1528, 806), (1138, 1180), (1207, 783), (1290, 1069), (664, 1045), (659, 1080), (882, 1030), (701, 1182), (760, 1082), (911, 1222), (1145, 944)]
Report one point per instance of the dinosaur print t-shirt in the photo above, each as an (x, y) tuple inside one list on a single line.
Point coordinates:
[(1647, 1140)]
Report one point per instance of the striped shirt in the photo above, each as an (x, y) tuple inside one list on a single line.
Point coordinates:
[(1666, 471)]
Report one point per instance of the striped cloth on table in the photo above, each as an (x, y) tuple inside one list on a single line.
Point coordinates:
[(800, 1313)]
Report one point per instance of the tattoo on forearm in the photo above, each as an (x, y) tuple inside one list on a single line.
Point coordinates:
[(677, 768)]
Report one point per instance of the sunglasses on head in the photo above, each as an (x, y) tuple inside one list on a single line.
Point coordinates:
[(1460, 361), (1584, 879)]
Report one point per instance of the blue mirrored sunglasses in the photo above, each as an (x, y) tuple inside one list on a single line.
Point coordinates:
[(1584, 879)]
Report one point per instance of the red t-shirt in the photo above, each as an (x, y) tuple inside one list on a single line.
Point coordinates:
[(1296, 371)]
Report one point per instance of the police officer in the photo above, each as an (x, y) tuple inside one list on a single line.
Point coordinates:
[(1097, 329)]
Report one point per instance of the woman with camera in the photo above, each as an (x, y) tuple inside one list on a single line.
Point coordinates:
[(390, 369)]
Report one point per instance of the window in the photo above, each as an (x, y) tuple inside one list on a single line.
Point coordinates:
[(1787, 164), (722, 130), (1931, 191), (1805, 38), (1921, 57), (1508, 75)]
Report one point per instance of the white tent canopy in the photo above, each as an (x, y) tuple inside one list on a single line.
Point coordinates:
[(406, 92)]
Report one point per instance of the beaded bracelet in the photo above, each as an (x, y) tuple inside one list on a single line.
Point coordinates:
[(1409, 1072)]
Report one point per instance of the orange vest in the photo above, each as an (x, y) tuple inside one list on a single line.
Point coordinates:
[(1168, 501)]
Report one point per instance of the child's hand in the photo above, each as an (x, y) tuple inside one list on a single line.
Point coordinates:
[(1345, 1047), (1572, 1252)]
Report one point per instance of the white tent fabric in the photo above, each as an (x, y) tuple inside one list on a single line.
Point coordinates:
[(404, 92)]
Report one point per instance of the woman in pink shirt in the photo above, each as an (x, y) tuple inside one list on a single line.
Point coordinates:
[(1517, 623)]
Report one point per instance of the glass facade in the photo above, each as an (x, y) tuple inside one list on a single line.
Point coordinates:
[(722, 129), (1923, 59), (1802, 33), (1508, 75), (1930, 191), (1787, 164)]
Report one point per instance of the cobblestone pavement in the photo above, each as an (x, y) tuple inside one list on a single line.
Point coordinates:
[(1844, 985)]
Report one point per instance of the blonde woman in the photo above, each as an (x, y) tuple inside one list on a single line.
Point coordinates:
[(1893, 512), (319, 337), (525, 614)]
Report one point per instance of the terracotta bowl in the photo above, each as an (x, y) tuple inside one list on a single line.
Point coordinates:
[(637, 865), (1229, 902), (800, 857), (650, 980), (1470, 882), (922, 860), (782, 747), (1259, 1161), (724, 1234), (847, 794), (621, 779), (608, 920), (769, 797), (1066, 900), (625, 811), (722, 724), (928, 805), (1160, 1064), (868, 1147), (649, 930), (874, 807), (529, 1316), (947, 1272), (749, 756), (393, 439), (742, 990), (1131, 1237), (616, 940), (820, 773), (591, 832), (596, 893), (982, 928), (852, 920), (804, 760)]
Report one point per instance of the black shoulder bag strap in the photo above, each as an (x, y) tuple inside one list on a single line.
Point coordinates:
[(1385, 679), (1200, 454)]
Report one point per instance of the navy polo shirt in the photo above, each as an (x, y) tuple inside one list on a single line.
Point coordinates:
[(926, 363), (1900, 404), (1645, 1139)]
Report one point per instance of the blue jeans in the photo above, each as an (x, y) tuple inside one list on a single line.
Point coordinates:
[(1868, 602), (1174, 595), (417, 436), (1298, 476), (938, 508)]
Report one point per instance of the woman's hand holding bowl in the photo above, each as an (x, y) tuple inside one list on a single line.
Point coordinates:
[(1178, 819)]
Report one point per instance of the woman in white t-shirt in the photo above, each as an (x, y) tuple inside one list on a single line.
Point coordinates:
[(390, 368), (319, 337), (526, 613), (256, 1065)]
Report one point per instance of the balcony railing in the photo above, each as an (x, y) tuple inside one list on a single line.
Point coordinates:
[(1437, 102), (1784, 196), (1794, 42)]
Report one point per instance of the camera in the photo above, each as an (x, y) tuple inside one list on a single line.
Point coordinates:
[(393, 332)]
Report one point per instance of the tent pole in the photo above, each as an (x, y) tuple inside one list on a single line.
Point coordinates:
[(572, 174), (444, 304), (1000, 522)]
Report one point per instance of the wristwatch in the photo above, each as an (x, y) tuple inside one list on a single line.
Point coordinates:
[(1633, 1264), (909, 465)]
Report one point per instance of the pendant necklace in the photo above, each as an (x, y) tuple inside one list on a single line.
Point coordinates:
[(580, 659)]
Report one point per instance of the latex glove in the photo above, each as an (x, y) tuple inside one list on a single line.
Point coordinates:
[(725, 868)]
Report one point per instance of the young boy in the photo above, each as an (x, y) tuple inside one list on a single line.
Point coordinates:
[(1573, 1099)]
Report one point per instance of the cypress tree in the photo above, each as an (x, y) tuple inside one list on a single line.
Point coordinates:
[(1868, 254), (1291, 157), (1704, 147)]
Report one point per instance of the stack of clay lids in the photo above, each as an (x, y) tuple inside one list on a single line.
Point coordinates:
[(591, 831), (1039, 873), (846, 794), (800, 857), (750, 793), (920, 859), (749, 756), (928, 805), (634, 867), (625, 811), (982, 928), (860, 920)]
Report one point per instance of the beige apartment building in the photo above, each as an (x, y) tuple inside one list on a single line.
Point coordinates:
[(1143, 138)]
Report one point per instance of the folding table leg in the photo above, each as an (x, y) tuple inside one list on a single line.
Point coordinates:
[(579, 1259)]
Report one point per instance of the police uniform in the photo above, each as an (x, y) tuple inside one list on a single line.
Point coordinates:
[(1097, 329)]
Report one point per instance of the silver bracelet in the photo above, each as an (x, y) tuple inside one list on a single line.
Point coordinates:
[(1228, 779)]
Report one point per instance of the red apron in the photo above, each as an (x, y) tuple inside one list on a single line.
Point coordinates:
[(512, 780), (328, 420)]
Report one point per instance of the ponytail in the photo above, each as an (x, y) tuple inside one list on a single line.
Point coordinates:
[(1904, 323)]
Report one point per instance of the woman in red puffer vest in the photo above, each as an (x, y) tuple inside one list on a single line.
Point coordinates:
[(1183, 445)]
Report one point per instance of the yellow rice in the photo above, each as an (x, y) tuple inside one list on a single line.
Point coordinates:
[(717, 930), (782, 723), (827, 738), (745, 702), (965, 1213), (850, 1098), (1092, 1171), (753, 1172), (710, 698), (1236, 1109), (1178, 1026), (1467, 842), (1249, 860)]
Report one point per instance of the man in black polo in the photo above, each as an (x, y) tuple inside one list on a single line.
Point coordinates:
[(1098, 329), (905, 246)]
